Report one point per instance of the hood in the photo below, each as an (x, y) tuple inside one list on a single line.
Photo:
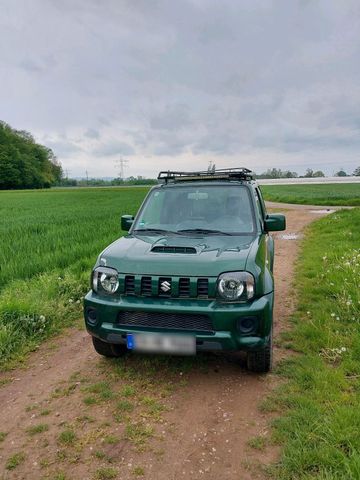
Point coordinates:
[(178, 255)]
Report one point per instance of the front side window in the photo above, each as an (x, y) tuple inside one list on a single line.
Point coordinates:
[(226, 209), (259, 207)]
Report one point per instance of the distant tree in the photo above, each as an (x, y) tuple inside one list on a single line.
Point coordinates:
[(357, 172), (68, 182), (277, 173), (24, 163), (309, 173), (341, 173), (289, 174)]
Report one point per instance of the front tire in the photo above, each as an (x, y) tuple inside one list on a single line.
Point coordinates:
[(110, 350), (260, 361)]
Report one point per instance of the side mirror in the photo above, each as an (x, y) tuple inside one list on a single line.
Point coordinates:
[(275, 222), (126, 222)]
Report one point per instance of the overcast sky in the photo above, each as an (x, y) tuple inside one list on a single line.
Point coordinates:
[(176, 83)]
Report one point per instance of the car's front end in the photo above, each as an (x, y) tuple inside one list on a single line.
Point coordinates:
[(191, 306), (181, 290)]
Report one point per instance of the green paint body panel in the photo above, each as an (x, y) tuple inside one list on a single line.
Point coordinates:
[(132, 254), (214, 254), (223, 316)]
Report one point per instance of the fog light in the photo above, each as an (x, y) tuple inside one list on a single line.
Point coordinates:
[(91, 316), (247, 324)]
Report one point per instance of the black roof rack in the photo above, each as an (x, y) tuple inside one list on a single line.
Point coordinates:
[(239, 173)]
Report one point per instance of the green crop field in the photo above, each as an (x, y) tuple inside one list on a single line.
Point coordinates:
[(321, 194), (49, 241)]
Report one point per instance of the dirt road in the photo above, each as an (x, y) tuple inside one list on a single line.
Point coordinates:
[(71, 415)]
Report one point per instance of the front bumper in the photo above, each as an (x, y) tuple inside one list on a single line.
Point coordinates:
[(224, 318)]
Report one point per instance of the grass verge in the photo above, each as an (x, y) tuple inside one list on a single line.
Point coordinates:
[(321, 194), (320, 403)]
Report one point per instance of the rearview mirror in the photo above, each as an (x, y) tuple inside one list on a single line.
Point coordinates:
[(126, 222), (275, 222), (198, 196)]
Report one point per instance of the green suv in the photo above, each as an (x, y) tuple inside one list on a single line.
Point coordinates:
[(194, 273)]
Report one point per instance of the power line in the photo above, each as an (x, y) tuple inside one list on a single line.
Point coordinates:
[(122, 163)]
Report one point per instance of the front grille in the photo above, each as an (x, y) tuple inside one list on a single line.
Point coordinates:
[(184, 287), (168, 249), (168, 287), (172, 321), (130, 284), (146, 286), (203, 287)]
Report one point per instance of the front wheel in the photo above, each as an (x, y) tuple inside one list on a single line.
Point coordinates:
[(108, 349), (260, 361)]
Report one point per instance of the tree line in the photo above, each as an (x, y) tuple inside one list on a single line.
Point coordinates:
[(310, 173), (24, 163), (101, 182)]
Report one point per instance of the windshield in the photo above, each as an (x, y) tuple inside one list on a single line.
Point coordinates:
[(224, 209)]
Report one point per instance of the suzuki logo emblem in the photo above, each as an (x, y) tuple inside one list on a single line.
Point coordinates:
[(165, 286)]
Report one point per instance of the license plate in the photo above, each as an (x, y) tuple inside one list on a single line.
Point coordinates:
[(161, 343)]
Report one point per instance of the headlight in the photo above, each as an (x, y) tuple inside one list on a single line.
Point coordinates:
[(236, 286), (105, 279)]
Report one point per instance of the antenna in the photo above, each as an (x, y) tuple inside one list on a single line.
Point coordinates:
[(122, 163), (211, 167)]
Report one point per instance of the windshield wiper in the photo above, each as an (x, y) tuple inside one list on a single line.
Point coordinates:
[(203, 230), (152, 230)]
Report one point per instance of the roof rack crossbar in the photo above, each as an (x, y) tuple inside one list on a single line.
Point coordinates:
[(239, 173)]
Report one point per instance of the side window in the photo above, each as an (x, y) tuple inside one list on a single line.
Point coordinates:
[(262, 203), (259, 207)]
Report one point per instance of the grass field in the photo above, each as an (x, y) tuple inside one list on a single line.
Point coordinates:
[(330, 194), (320, 404), (49, 242)]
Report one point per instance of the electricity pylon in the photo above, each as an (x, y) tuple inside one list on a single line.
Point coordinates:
[(122, 163)]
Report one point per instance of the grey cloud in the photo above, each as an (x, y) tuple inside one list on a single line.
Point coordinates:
[(63, 148), (92, 133), (217, 144), (172, 117), (170, 147), (30, 66), (296, 143), (39, 64), (114, 147)]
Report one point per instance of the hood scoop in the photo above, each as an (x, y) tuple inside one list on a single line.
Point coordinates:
[(173, 249)]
